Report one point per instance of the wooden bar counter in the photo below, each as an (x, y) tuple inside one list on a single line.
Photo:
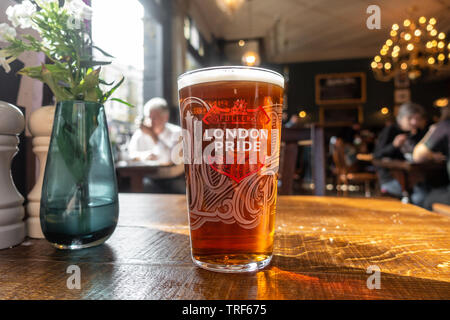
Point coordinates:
[(323, 247)]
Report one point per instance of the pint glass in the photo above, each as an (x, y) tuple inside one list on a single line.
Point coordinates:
[(231, 120)]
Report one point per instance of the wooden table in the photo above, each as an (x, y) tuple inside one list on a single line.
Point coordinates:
[(409, 173), (137, 171), (323, 248)]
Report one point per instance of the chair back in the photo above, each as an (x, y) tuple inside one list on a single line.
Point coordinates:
[(290, 138), (339, 157)]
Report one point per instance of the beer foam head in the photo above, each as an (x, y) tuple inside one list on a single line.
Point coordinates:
[(239, 73)]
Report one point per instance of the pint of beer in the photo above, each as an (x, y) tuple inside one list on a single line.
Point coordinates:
[(231, 120)]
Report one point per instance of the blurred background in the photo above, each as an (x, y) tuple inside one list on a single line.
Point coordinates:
[(348, 67)]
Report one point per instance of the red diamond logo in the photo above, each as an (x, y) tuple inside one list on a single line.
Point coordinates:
[(238, 114)]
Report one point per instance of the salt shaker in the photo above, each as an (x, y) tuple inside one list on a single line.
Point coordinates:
[(40, 125)]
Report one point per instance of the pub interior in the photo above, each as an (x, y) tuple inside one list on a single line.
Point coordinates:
[(365, 123)]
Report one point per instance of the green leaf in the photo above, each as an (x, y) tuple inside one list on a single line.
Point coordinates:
[(124, 102), (76, 152), (32, 72), (91, 95), (71, 152), (87, 89), (110, 92), (60, 93), (103, 52), (99, 94), (91, 80), (101, 81), (90, 64), (54, 75)]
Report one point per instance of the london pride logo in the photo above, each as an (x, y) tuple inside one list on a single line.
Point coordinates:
[(247, 140), (234, 139)]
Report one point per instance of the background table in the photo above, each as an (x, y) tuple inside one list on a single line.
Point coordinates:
[(136, 171), (323, 247), (409, 173)]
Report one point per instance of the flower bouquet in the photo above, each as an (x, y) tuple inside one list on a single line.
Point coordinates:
[(73, 74), (79, 202)]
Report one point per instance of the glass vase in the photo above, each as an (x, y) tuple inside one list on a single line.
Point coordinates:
[(79, 202)]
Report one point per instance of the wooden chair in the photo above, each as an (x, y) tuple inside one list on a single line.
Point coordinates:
[(344, 174)]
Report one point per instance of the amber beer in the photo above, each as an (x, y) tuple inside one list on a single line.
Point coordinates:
[(231, 120)]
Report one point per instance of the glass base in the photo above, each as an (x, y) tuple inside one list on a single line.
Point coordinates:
[(76, 245), (233, 268)]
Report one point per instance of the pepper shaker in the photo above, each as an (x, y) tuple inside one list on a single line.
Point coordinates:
[(12, 227)]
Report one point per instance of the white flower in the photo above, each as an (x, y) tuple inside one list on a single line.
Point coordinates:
[(21, 14), (78, 9), (45, 42), (6, 32), (46, 3), (5, 64)]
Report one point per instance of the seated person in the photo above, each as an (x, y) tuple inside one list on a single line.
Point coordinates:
[(397, 141), (436, 146), (154, 140), (156, 137)]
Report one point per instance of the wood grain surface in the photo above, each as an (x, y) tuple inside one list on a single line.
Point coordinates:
[(323, 248)]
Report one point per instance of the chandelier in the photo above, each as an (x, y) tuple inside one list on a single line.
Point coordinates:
[(415, 48), (229, 6)]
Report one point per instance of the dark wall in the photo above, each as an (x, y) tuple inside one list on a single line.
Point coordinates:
[(426, 92), (301, 89), (10, 83)]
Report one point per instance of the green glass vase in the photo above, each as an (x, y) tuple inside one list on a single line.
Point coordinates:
[(79, 202)]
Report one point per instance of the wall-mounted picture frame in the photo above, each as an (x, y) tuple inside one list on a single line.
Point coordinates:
[(401, 80), (402, 96), (338, 116), (341, 88)]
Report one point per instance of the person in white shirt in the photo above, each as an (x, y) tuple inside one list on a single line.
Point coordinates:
[(156, 137)]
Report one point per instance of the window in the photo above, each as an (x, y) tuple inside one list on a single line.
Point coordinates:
[(195, 43), (118, 28), (193, 37), (191, 62), (187, 28)]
